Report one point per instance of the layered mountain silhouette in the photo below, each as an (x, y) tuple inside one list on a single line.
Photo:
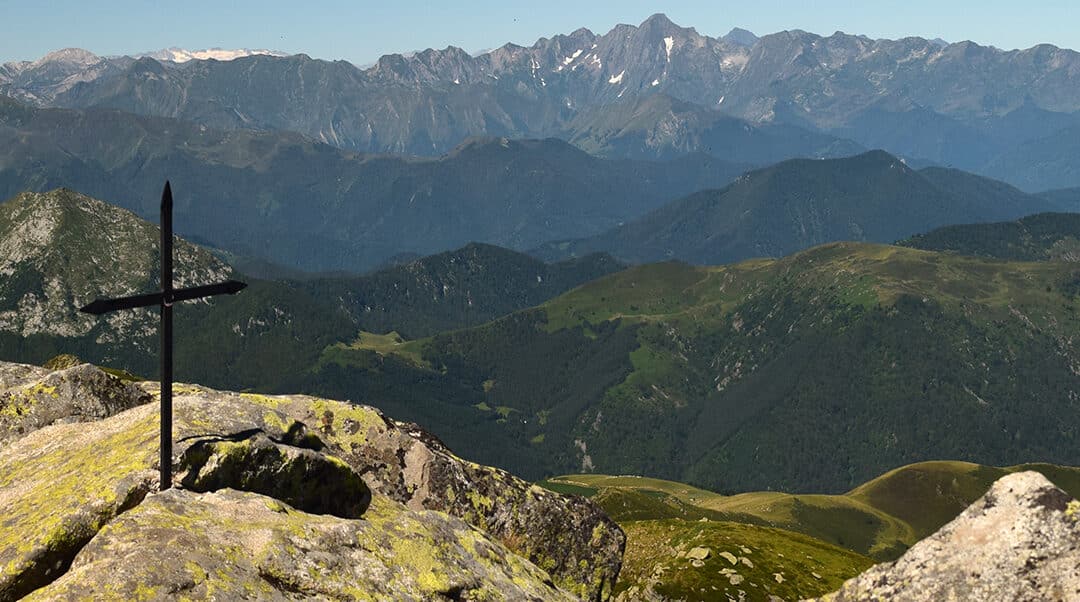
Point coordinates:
[(796, 204), (910, 96), (308, 205)]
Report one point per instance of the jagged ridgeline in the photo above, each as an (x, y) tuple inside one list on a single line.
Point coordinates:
[(809, 373), (1012, 114), (62, 249)]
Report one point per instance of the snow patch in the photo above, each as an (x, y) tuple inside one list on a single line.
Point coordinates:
[(735, 61), (570, 59), (669, 43), (656, 82), (180, 55), (617, 79)]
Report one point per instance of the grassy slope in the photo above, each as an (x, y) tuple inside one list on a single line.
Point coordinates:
[(834, 536), (879, 518), (767, 562), (851, 357)]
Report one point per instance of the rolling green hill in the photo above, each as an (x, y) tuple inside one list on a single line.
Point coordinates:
[(1040, 237), (812, 540), (796, 204), (814, 372)]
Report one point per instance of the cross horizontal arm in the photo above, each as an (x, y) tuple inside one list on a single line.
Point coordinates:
[(102, 306), (229, 287)]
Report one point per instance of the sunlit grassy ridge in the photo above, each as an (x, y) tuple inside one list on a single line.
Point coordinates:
[(879, 518), (814, 541), (813, 372)]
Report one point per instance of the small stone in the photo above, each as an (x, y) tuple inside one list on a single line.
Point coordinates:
[(697, 564), (736, 579), (746, 561), (699, 553), (779, 578), (816, 576), (730, 557)]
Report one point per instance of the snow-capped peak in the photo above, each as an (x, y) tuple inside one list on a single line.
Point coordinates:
[(180, 55)]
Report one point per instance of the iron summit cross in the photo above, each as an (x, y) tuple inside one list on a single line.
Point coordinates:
[(165, 299)]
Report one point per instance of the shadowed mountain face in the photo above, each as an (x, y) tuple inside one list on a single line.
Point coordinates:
[(312, 206), (455, 289), (796, 204), (960, 105), (1041, 237)]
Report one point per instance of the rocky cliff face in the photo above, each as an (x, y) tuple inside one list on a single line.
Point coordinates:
[(1018, 542), (278, 498)]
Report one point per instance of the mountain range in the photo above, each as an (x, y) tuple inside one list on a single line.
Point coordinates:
[(958, 105), (1041, 237), (326, 209)]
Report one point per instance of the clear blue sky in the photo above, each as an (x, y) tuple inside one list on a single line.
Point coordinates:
[(361, 30)]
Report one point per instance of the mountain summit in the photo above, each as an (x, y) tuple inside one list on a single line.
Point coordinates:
[(279, 498)]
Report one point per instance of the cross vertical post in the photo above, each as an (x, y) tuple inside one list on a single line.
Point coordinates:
[(164, 299), (166, 337)]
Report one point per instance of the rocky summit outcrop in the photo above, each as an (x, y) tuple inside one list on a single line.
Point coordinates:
[(32, 397), (1020, 541), (286, 497)]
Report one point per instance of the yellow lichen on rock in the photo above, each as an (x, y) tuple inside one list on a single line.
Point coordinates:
[(229, 544), (73, 495)]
